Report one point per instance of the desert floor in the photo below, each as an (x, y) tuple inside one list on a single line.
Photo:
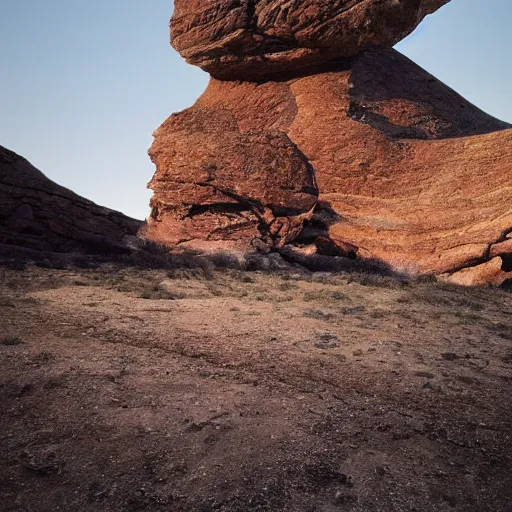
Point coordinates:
[(125, 389)]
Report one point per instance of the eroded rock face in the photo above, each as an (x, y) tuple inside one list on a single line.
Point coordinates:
[(258, 39), (40, 216), (313, 135), (406, 171), (219, 181), (419, 178)]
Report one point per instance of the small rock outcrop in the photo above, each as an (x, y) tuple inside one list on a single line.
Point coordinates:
[(357, 152), (39, 216)]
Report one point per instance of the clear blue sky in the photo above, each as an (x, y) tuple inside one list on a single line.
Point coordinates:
[(84, 83)]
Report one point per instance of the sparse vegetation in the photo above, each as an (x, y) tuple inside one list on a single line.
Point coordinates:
[(156, 292), (11, 341), (339, 295), (287, 286), (352, 310), (316, 296), (191, 273), (317, 314), (346, 369), (216, 292), (326, 340), (45, 356)]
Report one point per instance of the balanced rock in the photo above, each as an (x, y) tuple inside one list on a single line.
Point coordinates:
[(369, 157), (256, 39), (39, 216)]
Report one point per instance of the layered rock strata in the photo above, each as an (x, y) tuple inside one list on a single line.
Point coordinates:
[(38, 215), (369, 157)]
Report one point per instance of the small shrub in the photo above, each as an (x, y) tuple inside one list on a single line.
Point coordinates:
[(283, 299), (156, 293), (317, 314), (200, 273), (11, 341), (326, 340), (352, 310), (226, 260), (242, 276), (337, 295), (287, 286), (377, 314), (311, 296), (43, 357)]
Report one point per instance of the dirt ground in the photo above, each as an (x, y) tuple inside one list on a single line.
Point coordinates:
[(144, 390)]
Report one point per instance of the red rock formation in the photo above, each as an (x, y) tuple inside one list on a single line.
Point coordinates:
[(232, 184), (370, 157), (220, 180), (40, 216), (255, 39), (419, 177)]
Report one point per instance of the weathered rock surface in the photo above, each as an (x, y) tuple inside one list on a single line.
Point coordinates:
[(255, 39), (38, 215), (219, 181), (406, 171)]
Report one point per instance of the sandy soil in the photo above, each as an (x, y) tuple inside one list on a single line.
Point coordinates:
[(127, 390)]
